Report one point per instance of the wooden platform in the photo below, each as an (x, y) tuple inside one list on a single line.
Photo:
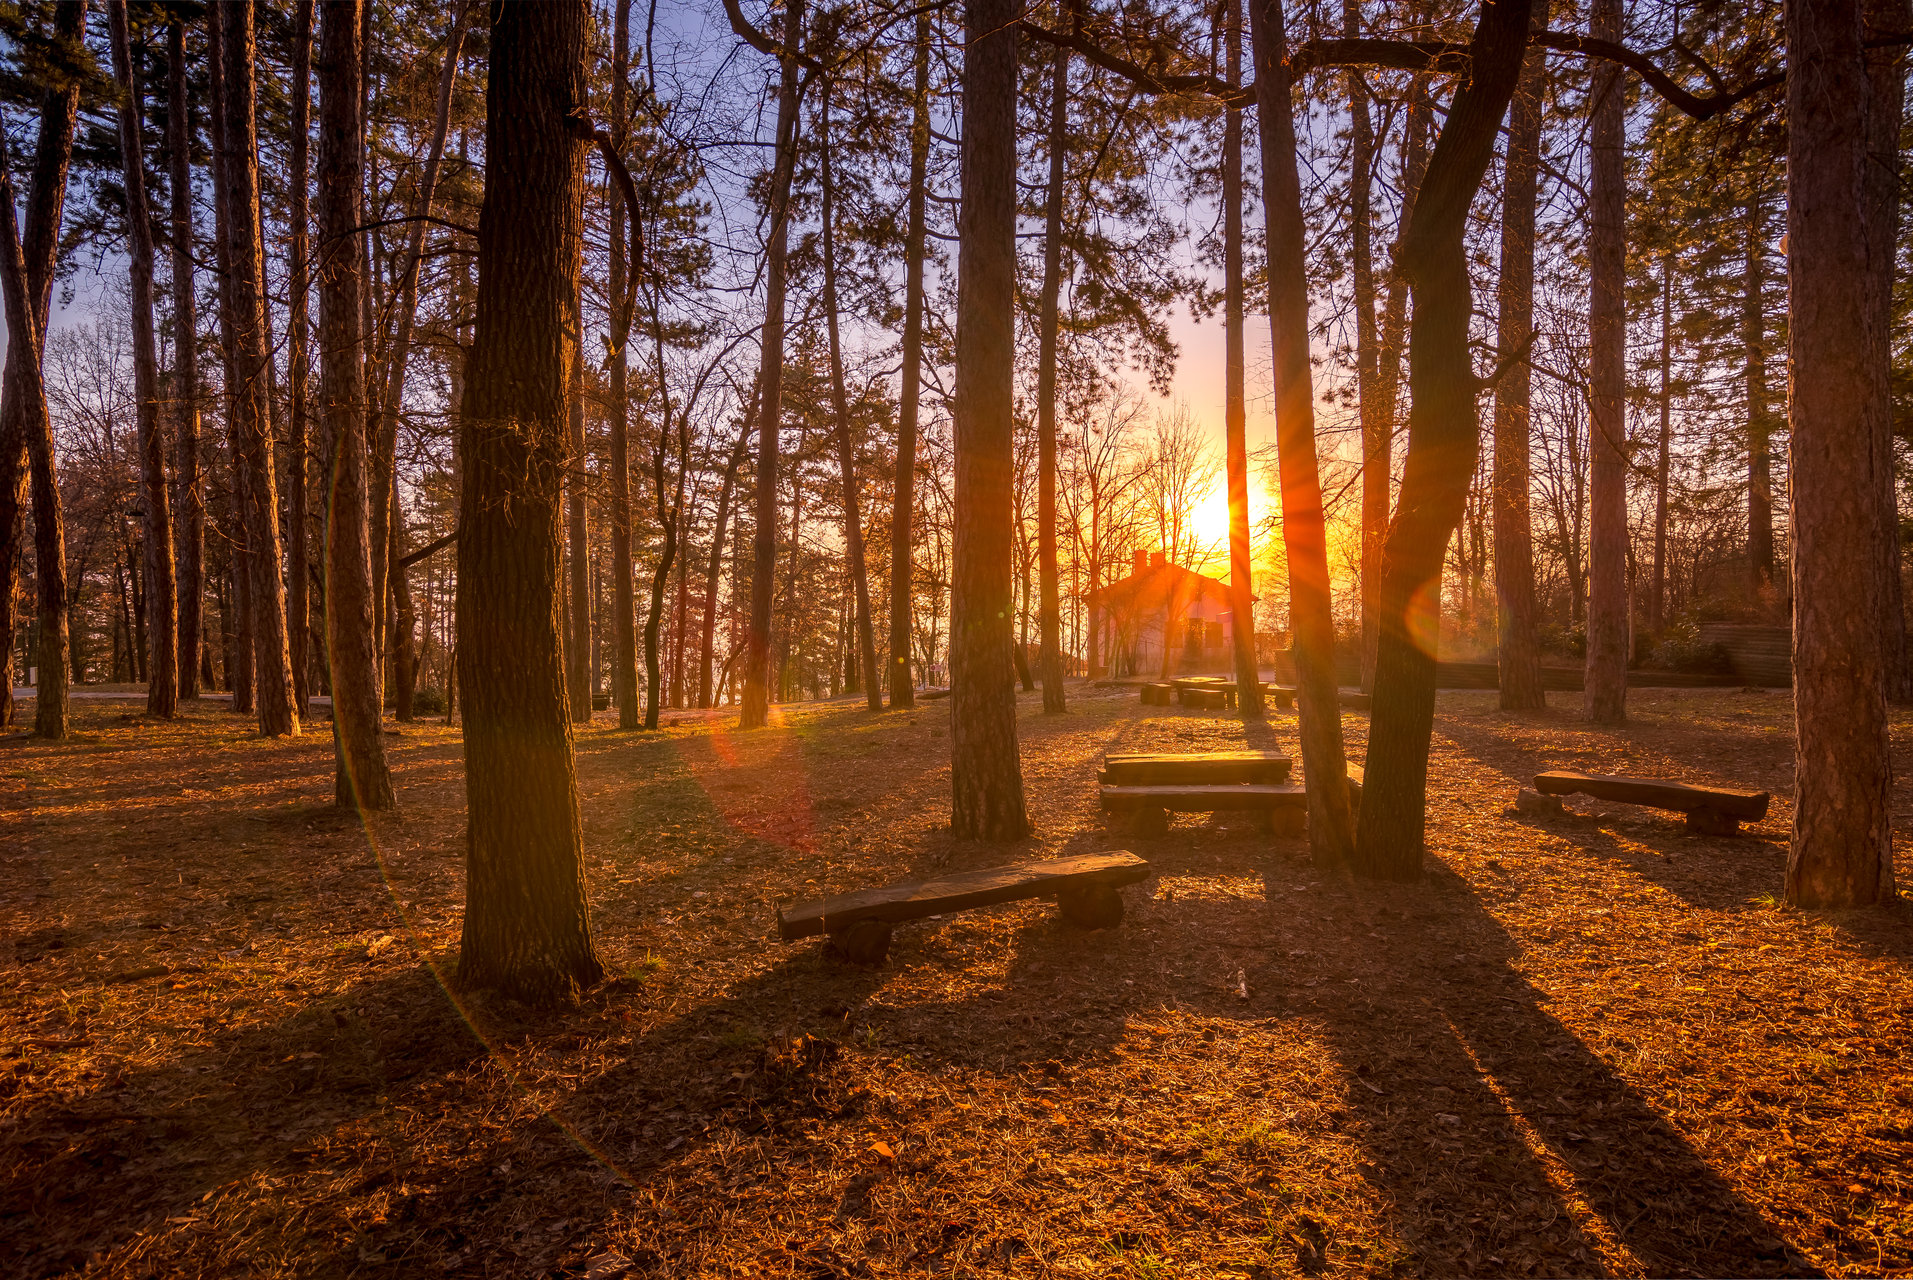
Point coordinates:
[(1709, 810), (1085, 886), (1284, 805)]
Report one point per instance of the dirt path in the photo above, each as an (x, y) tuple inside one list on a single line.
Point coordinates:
[(1592, 1046)]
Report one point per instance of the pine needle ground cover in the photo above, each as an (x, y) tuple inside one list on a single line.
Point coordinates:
[(1586, 1045)]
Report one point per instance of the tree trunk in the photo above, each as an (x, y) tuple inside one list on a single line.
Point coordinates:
[(239, 671), (26, 455), (624, 647), (577, 562), (1049, 612), (1444, 443), (1842, 852), (1304, 534), (1657, 600), (1605, 684), (298, 358), (756, 703), (361, 779), (272, 663), (903, 492), (158, 652), (1518, 658), (1886, 75), (985, 772), (190, 501), (706, 691), (1248, 674), (1378, 433), (527, 925), (846, 448)]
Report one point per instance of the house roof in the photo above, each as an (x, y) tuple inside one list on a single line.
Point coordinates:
[(1157, 583)]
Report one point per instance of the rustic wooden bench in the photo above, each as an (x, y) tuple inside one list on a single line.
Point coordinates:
[(1149, 768), (1713, 811), (860, 923), (1282, 805)]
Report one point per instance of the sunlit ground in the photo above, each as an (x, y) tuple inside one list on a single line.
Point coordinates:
[(1596, 1045)]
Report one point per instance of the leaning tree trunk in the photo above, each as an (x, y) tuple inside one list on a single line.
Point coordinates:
[(727, 490), (986, 774), (190, 500), (162, 657), (1304, 532), (361, 779), (1657, 598), (298, 361), (1049, 611), (527, 924), (1378, 433), (903, 492), (1886, 75), (624, 635), (1842, 852), (20, 456), (757, 636), (1518, 657), (846, 450), (272, 662), (1605, 684), (1248, 672), (1444, 444)]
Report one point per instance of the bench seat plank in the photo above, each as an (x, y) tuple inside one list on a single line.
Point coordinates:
[(1199, 798), (960, 892), (1657, 793), (1196, 767)]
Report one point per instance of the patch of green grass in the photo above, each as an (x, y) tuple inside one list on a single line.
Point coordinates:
[(644, 968), (740, 1038), (1255, 1140)]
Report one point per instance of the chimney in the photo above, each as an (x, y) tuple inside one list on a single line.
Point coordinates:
[(1156, 560), (1142, 562)]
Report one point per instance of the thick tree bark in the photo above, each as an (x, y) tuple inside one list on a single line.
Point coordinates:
[(903, 492), (189, 498), (1378, 432), (757, 637), (1605, 682), (624, 646), (1753, 341), (1304, 533), (272, 663), (158, 650), (727, 490), (1248, 672), (846, 446), (1886, 76), (26, 459), (986, 774), (362, 778), (1518, 658), (1657, 600), (1049, 611), (1842, 852), (298, 361), (527, 925), (1444, 444)]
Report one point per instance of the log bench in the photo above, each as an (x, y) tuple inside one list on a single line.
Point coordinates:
[(1147, 769), (1157, 694), (860, 923), (1712, 811)]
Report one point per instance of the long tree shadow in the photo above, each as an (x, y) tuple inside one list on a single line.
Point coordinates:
[(1481, 1109)]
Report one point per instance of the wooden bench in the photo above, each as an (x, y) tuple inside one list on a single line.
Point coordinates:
[(1283, 806), (1158, 694), (1713, 811), (1151, 769), (860, 923)]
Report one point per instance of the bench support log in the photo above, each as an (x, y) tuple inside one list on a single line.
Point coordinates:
[(1094, 906)]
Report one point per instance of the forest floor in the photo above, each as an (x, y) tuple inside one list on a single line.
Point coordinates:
[(1582, 1046)]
